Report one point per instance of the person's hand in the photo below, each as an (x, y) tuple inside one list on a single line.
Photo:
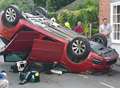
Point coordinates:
[(105, 33)]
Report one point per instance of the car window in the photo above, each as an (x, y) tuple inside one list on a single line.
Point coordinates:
[(13, 57), (96, 46)]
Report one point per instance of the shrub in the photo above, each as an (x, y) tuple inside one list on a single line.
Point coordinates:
[(83, 15), (94, 31)]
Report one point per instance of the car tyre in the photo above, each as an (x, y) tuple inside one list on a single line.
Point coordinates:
[(78, 49), (100, 39), (11, 16)]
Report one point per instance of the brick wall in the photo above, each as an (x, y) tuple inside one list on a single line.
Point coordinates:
[(104, 9)]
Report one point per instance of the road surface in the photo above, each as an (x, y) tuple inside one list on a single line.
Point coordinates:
[(68, 80)]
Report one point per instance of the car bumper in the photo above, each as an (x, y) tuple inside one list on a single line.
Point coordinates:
[(104, 63)]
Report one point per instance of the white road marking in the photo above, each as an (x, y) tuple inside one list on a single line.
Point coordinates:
[(84, 76), (107, 85)]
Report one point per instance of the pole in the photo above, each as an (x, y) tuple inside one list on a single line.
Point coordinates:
[(90, 25)]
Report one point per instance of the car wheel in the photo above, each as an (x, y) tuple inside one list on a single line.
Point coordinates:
[(11, 15), (40, 11), (78, 49), (100, 39)]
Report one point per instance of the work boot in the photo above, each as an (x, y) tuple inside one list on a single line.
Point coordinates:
[(23, 82)]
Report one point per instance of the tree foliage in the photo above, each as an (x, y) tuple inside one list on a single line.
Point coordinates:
[(25, 5), (87, 13), (40, 3), (52, 5)]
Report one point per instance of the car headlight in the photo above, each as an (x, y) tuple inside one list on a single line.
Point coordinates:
[(96, 61)]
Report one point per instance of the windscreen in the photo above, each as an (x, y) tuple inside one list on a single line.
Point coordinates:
[(100, 49)]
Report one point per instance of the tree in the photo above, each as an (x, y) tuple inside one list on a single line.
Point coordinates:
[(40, 3), (51, 5), (25, 5)]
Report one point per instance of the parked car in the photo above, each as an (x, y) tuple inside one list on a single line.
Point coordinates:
[(42, 40)]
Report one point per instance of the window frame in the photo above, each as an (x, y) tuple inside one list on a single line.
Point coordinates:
[(115, 35)]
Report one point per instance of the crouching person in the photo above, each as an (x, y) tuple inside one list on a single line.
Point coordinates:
[(31, 76)]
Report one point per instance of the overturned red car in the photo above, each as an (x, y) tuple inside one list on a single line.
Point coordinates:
[(42, 40)]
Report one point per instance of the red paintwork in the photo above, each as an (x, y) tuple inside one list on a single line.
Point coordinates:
[(43, 50)]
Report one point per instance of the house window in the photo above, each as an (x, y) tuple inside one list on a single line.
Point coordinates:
[(115, 22)]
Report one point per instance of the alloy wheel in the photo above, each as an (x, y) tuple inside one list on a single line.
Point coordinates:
[(78, 47)]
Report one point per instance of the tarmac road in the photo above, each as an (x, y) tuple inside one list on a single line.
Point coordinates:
[(68, 80)]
